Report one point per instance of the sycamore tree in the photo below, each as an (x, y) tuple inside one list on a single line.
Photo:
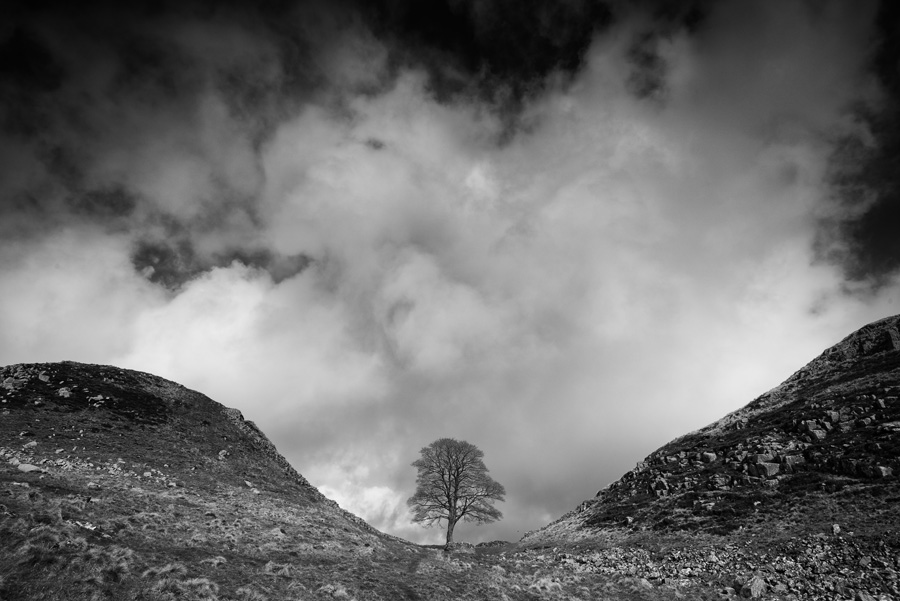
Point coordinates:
[(453, 485)]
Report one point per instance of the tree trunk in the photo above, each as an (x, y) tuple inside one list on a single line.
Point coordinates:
[(451, 522)]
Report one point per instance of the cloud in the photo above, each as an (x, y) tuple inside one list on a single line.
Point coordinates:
[(70, 296), (320, 231)]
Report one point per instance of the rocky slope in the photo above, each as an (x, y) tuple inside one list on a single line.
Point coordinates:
[(807, 472)]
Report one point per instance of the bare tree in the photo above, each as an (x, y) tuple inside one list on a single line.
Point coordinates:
[(453, 484)]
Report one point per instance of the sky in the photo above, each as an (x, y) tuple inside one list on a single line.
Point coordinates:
[(566, 232)]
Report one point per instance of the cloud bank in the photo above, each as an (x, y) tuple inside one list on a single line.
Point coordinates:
[(367, 238)]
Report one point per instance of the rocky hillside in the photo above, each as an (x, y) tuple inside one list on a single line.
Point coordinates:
[(817, 456)]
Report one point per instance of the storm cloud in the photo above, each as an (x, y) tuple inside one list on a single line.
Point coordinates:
[(563, 232)]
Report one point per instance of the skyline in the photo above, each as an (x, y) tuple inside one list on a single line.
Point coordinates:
[(566, 233)]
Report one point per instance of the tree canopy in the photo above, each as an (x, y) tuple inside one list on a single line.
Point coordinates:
[(453, 484)]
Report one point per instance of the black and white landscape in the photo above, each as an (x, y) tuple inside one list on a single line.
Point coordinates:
[(566, 232)]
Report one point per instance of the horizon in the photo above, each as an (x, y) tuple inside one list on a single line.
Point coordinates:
[(566, 233)]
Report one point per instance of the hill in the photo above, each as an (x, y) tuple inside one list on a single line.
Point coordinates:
[(121, 485), (116, 484), (807, 470)]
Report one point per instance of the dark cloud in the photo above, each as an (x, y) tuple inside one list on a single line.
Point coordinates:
[(174, 262), (647, 80), (493, 47), (106, 203), (863, 238), (26, 64)]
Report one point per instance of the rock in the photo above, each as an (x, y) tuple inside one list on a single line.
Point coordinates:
[(765, 470), (43, 377), (459, 548), (93, 486), (708, 457), (755, 587), (883, 472), (759, 458), (64, 393), (792, 460), (835, 529), (223, 454), (27, 467), (818, 434), (720, 482), (29, 445)]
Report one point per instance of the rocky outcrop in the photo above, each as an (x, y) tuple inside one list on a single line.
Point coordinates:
[(262, 443), (831, 425)]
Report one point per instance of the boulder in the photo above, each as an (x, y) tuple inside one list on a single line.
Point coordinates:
[(765, 470), (27, 467), (760, 458), (720, 481), (792, 460), (708, 457), (754, 588)]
